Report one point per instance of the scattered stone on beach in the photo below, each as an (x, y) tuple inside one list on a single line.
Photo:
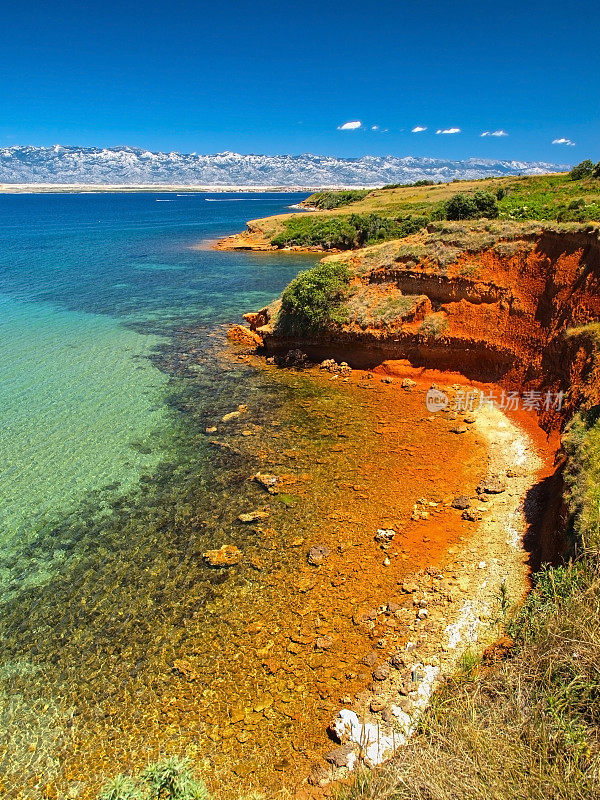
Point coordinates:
[(458, 429), (267, 481), (364, 615), (387, 379), (225, 556), (472, 515), (317, 554), (408, 587), (323, 643), (319, 777), (381, 673), (461, 502), (491, 486), (254, 516), (470, 419), (231, 415), (377, 705), (369, 660), (294, 358), (343, 756), (211, 429), (385, 535), (408, 384), (399, 660), (330, 365)]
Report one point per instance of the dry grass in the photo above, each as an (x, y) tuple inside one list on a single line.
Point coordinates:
[(379, 306), (526, 729)]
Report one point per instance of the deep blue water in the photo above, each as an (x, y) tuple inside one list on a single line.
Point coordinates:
[(132, 256)]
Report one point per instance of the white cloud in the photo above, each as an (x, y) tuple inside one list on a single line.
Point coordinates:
[(495, 133), (374, 127), (419, 129), (448, 130), (568, 142), (353, 125)]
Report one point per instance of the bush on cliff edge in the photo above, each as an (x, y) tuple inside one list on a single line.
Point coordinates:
[(314, 299)]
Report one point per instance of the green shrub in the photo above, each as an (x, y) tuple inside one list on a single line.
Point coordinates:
[(171, 779), (329, 200), (596, 173), (465, 206), (315, 298), (422, 182), (345, 232), (583, 170)]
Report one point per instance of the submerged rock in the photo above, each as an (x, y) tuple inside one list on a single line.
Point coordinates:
[(317, 554), (225, 556), (268, 482), (254, 516)]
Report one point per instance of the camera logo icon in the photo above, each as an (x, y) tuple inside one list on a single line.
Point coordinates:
[(436, 400)]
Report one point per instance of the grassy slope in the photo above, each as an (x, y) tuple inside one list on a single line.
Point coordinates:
[(543, 197)]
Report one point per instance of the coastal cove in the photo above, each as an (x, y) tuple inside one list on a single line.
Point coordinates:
[(121, 643)]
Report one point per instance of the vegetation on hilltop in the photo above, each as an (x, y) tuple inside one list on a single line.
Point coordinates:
[(351, 219), (475, 206), (585, 169), (333, 199), (344, 232)]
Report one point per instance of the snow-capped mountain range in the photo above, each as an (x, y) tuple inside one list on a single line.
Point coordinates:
[(132, 166)]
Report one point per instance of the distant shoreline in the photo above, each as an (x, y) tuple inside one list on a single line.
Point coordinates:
[(90, 188)]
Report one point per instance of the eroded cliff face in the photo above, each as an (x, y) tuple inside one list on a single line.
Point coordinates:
[(514, 304)]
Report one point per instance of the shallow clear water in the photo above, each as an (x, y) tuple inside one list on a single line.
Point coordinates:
[(86, 284)]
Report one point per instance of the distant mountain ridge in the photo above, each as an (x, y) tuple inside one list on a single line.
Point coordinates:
[(132, 165)]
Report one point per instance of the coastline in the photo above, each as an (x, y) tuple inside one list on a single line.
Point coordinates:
[(449, 571), (82, 188)]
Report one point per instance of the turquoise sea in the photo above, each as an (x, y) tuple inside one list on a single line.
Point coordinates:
[(89, 284), (112, 363)]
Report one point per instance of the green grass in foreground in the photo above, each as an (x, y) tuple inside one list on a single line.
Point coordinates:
[(171, 779)]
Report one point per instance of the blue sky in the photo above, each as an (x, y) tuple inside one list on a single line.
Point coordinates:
[(278, 77)]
